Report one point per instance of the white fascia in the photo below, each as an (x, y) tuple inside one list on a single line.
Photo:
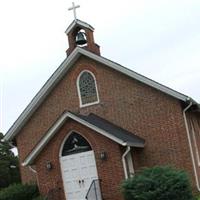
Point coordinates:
[(52, 131), (80, 23), (41, 95), (64, 67), (135, 75)]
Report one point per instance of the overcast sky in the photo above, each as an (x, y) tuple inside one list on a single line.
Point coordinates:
[(157, 38)]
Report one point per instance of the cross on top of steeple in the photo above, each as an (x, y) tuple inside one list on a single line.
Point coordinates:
[(74, 9), (80, 34)]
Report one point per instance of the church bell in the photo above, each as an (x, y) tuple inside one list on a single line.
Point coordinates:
[(81, 38)]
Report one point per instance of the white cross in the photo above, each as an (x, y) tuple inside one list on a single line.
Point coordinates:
[(74, 9)]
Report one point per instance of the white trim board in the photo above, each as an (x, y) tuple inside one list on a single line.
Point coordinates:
[(62, 70), (80, 23), (53, 130), (79, 93)]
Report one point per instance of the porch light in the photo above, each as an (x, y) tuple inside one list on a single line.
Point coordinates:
[(103, 155), (49, 165)]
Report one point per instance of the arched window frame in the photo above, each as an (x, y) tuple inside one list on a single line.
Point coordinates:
[(66, 138), (79, 93)]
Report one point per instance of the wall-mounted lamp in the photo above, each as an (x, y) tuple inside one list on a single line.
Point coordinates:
[(103, 155), (49, 165)]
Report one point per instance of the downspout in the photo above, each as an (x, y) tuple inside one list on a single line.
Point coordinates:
[(190, 145), (10, 143), (124, 161), (33, 170), (30, 168)]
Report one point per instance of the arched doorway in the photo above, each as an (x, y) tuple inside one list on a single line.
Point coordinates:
[(78, 166)]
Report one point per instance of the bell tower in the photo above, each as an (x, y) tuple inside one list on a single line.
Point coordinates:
[(80, 34)]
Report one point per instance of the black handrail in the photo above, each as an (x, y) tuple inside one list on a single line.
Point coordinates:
[(97, 197)]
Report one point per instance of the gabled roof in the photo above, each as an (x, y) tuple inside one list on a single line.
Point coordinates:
[(80, 23), (63, 69), (92, 121), (127, 138)]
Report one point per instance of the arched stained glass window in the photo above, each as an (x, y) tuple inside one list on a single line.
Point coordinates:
[(75, 143), (88, 93)]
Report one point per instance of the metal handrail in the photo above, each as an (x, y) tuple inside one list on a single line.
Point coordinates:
[(95, 189)]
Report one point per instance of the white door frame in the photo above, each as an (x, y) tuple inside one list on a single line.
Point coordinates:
[(60, 157)]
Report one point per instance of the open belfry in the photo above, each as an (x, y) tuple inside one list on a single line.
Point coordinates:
[(95, 123)]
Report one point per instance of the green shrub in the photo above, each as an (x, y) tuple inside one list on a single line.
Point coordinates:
[(39, 198), (9, 165), (197, 198), (19, 192), (158, 183)]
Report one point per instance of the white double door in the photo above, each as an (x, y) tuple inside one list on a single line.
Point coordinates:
[(78, 172)]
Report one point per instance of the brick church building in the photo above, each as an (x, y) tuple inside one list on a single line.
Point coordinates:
[(95, 123)]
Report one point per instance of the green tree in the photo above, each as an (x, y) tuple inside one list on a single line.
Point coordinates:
[(19, 192), (158, 183), (9, 168)]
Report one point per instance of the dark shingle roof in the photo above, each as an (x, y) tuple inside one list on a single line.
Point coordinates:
[(129, 138), (96, 123)]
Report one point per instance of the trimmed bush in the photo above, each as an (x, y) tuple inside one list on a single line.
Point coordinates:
[(19, 192), (158, 183)]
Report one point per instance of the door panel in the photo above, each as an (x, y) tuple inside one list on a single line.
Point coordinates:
[(78, 171)]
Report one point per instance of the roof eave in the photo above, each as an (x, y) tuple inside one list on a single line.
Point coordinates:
[(58, 124), (78, 23), (41, 95), (136, 145), (58, 74), (136, 76), (29, 160)]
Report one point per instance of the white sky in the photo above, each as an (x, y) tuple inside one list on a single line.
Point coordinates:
[(159, 39)]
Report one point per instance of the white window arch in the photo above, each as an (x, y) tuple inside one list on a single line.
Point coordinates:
[(74, 143), (87, 89)]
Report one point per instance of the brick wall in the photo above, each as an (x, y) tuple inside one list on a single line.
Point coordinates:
[(193, 120), (91, 45), (146, 112), (111, 175)]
